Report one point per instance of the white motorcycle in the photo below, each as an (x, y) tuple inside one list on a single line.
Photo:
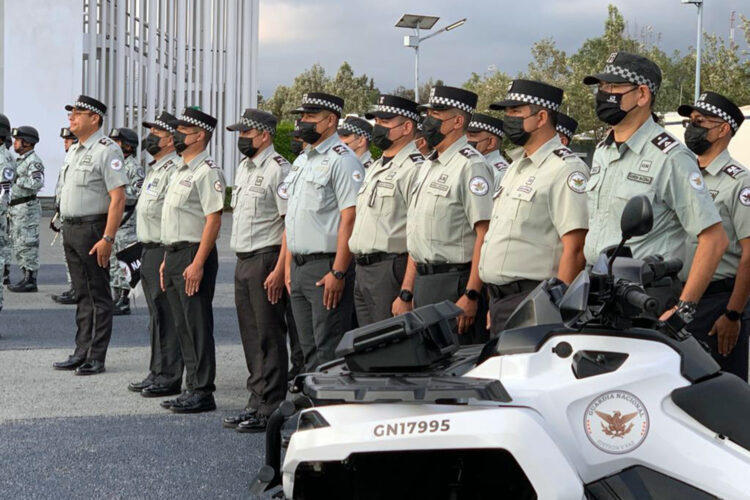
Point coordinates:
[(584, 396)]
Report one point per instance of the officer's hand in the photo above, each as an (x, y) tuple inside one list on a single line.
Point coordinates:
[(666, 314), (161, 276), (489, 321), (333, 290), (193, 275), (470, 311), (728, 332), (274, 286), (102, 249), (400, 307)]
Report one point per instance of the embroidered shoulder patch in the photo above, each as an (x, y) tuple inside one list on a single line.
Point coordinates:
[(479, 186), (283, 191), (745, 196), (218, 187), (116, 164), (416, 157), (696, 181), (665, 142), (468, 152), (577, 182), (733, 171), (340, 149)]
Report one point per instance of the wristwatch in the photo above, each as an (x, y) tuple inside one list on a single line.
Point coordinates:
[(406, 295), (471, 294), (732, 315), (108, 239), (337, 274), (686, 310)]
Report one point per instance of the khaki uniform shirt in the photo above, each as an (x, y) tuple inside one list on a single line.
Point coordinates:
[(728, 183), (259, 199), (195, 190), (498, 164), (382, 203), (655, 164), (151, 200), (91, 170), (29, 175), (7, 176), (453, 193), (540, 199), (135, 173), (322, 182)]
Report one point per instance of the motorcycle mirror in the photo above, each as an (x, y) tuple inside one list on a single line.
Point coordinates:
[(576, 299), (637, 218)]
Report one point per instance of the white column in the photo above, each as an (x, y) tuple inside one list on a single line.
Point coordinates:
[(206, 56), (180, 62), (152, 76), (120, 71)]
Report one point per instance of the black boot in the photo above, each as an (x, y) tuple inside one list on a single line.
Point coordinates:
[(27, 284), (6, 275), (122, 305), (68, 297)]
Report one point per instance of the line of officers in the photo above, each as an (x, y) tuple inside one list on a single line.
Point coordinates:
[(336, 237)]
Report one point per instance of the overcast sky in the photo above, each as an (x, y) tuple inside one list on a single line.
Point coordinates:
[(294, 34)]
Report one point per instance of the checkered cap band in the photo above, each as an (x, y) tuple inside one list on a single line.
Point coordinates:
[(398, 111), (79, 104), (630, 76), (532, 99), (710, 108), (486, 127), (165, 126), (197, 123), (565, 131), (314, 101), (256, 125), (453, 103), (355, 130)]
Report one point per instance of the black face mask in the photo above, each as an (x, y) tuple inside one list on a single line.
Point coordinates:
[(696, 139), (380, 136), (513, 128), (431, 131), (473, 144), (308, 133), (295, 147), (151, 144), (608, 107), (245, 145), (179, 142)]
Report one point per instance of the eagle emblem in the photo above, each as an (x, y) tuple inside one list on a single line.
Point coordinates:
[(618, 425)]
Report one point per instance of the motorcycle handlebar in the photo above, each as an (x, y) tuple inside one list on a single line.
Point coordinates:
[(638, 299)]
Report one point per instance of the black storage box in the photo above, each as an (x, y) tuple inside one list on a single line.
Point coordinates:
[(411, 342)]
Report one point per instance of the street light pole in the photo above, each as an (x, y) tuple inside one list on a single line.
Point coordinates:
[(698, 43), (416, 68)]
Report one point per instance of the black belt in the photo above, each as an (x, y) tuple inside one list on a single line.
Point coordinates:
[(260, 251), (441, 268), (373, 258), (86, 219), (301, 260), (180, 245), (151, 246), (19, 201), (520, 286), (720, 286)]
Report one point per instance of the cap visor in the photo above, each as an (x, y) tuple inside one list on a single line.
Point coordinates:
[(604, 77), (183, 123), (343, 131), (438, 107), (239, 126), (153, 125), (309, 109), (381, 114), (69, 107), (507, 103), (686, 109)]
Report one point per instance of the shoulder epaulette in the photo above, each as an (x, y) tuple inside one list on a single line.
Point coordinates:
[(340, 149), (416, 157), (665, 142), (106, 141), (468, 152), (280, 160), (563, 152), (734, 171), (210, 163)]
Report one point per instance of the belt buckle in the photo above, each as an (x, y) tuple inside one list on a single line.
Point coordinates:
[(300, 260)]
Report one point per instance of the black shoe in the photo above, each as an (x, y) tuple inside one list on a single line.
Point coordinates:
[(232, 422), (160, 391), (122, 304), (71, 363), (68, 297), (255, 424), (196, 403), (169, 403), (146, 382), (92, 367), (27, 284)]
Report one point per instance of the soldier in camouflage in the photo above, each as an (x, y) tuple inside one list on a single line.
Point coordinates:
[(25, 209), (7, 176), (67, 297), (127, 139)]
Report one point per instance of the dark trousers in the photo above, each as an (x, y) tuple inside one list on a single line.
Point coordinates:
[(504, 300), (94, 299), (319, 329), (166, 359), (197, 337), (376, 286), (263, 332), (296, 356), (710, 308), (434, 288)]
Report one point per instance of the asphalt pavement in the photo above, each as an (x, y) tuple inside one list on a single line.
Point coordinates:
[(63, 436)]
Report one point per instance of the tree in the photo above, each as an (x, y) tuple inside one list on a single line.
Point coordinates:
[(489, 88), (424, 90), (359, 92)]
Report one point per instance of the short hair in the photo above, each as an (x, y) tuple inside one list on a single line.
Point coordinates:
[(536, 108), (466, 116)]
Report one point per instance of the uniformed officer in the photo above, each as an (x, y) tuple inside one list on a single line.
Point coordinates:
[(566, 128), (640, 157), (259, 200), (450, 211), (25, 209), (92, 198), (539, 216), (378, 240), (722, 318), (7, 176), (191, 219), (322, 186), (357, 134), (67, 297), (165, 365), (485, 134), (127, 139), (419, 139)]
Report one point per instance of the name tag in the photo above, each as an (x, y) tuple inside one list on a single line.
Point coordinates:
[(523, 194), (643, 179)]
